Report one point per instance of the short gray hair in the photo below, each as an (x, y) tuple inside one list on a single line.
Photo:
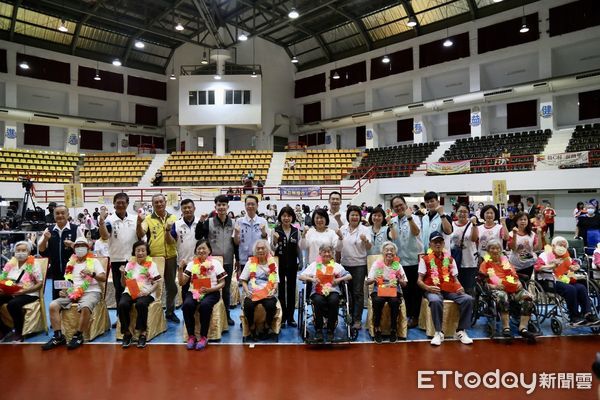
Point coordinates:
[(157, 195), (493, 242), (389, 243), (265, 243), (559, 239), (325, 246), (24, 243)]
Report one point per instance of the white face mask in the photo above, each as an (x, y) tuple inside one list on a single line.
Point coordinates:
[(560, 250), (591, 211), (21, 256), (81, 251)]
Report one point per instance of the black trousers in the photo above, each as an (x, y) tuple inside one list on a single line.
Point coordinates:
[(287, 290), (15, 309), (227, 288), (141, 306), (326, 306), (551, 230), (356, 298), (205, 308), (116, 274), (412, 292), (379, 303), (270, 305)]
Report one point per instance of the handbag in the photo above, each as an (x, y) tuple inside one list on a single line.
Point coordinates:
[(457, 252)]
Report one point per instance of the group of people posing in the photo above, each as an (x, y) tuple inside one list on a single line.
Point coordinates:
[(433, 256)]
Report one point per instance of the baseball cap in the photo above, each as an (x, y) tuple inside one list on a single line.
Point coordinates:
[(81, 240), (435, 235), (51, 204)]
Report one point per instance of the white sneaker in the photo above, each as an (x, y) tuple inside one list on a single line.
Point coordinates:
[(463, 337), (438, 338)]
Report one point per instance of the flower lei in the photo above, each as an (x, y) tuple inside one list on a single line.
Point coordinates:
[(563, 271), (28, 276), (324, 289), (392, 277), (510, 276), (201, 270), (272, 272), (435, 274), (75, 293), (130, 267)]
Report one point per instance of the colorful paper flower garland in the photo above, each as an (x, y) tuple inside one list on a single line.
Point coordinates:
[(75, 293)]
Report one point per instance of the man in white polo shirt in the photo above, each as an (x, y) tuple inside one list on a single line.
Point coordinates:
[(119, 230), (337, 218)]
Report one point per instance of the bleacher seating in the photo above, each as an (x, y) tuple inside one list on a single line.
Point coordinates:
[(394, 161), (585, 138), (319, 166), (204, 168), (113, 169), (40, 166), (485, 151)]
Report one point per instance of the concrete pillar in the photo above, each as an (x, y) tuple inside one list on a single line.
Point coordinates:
[(220, 140)]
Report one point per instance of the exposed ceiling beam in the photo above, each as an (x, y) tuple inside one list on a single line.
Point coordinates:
[(411, 14), (13, 19), (472, 8), (80, 24), (359, 25), (208, 21)]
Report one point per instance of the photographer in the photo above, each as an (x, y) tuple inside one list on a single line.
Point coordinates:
[(50, 216)]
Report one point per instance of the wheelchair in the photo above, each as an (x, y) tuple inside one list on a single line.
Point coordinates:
[(306, 315), (485, 305), (553, 307)]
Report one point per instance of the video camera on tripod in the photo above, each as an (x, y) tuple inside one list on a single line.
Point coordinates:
[(31, 220)]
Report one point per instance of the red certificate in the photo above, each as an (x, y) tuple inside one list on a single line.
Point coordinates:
[(325, 278), (134, 288), (201, 283)]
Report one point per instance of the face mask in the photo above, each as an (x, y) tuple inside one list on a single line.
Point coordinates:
[(560, 250), (81, 251), (21, 256), (591, 211)]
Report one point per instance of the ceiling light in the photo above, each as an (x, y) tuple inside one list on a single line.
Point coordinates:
[(97, 77), (217, 77), (497, 1), (179, 27), (254, 75), (524, 27), (385, 59), (412, 22), (242, 37), (62, 27), (204, 59), (293, 14), (172, 76), (448, 43), (116, 62), (336, 75), (139, 44), (24, 65), (295, 60)]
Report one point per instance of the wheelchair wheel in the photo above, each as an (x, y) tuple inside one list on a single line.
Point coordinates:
[(540, 299), (301, 317), (556, 326), (594, 294)]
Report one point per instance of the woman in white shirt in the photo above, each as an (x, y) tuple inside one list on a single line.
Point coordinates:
[(464, 240), (355, 245), (490, 229), (140, 278), (380, 232), (207, 277), (319, 234), (21, 277)]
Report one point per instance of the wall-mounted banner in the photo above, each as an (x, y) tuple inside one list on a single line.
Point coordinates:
[(581, 157), (459, 167), (546, 110), (300, 191)]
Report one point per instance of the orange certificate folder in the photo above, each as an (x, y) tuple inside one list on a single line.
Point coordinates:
[(201, 283), (260, 294), (383, 291), (134, 289), (325, 279)]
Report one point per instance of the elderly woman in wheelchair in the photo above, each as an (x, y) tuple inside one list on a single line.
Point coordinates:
[(557, 272), (387, 276), (326, 276), (504, 286)]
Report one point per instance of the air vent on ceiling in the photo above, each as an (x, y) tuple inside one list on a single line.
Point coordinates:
[(582, 191), (46, 116), (4, 111), (497, 92), (89, 121), (116, 124), (540, 84), (448, 101), (388, 110), (361, 115), (416, 105)]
